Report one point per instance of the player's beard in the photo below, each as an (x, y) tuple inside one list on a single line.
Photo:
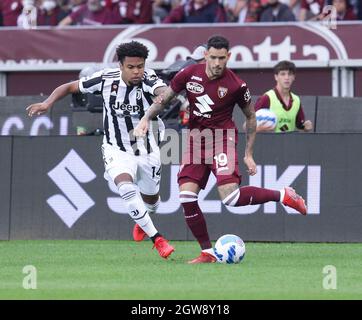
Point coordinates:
[(217, 72), (214, 72)]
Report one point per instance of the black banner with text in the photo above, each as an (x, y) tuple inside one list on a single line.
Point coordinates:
[(55, 188)]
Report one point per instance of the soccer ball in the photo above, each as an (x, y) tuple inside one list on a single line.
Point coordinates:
[(229, 249), (266, 120)]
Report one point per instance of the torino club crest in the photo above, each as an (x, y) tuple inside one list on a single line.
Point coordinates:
[(221, 92)]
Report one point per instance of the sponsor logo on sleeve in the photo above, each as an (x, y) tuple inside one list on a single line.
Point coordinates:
[(247, 96)]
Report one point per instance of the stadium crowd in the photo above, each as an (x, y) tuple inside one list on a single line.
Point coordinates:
[(31, 13)]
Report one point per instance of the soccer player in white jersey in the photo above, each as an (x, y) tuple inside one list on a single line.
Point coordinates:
[(133, 164)]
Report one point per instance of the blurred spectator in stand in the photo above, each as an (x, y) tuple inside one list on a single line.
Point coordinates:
[(161, 9), (50, 13), (355, 5), (344, 10), (93, 13), (74, 5), (9, 12), (28, 17), (64, 4), (197, 11), (294, 5), (276, 12), (311, 9), (135, 11), (359, 9), (236, 10), (255, 7)]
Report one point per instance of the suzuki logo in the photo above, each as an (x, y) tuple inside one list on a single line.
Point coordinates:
[(266, 177), (204, 103), (68, 175)]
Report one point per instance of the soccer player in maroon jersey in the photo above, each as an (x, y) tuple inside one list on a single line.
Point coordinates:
[(213, 90)]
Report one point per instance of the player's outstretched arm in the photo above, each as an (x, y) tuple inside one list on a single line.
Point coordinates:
[(250, 131), (161, 101), (163, 98), (59, 93)]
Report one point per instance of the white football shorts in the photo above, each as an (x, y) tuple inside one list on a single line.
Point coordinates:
[(145, 170)]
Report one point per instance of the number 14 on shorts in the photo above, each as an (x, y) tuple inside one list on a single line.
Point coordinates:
[(156, 171)]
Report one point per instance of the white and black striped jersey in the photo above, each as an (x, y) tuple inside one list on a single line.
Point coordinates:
[(123, 107)]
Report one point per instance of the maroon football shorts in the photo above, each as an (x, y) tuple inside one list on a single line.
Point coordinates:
[(221, 160)]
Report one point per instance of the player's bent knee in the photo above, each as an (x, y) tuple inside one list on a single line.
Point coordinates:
[(188, 196), (123, 177), (127, 190), (232, 198)]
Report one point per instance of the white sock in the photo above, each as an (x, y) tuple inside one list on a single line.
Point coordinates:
[(136, 207), (209, 251), (282, 194), (149, 228)]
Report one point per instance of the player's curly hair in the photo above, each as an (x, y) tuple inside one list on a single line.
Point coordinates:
[(131, 49), (218, 42)]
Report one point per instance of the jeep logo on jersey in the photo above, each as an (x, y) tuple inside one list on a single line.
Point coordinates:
[(126, 107), (194, 87)]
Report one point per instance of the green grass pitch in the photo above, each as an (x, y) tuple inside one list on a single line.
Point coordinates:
[(90, 269)]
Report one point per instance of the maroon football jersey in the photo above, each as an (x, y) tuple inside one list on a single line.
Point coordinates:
[(211, 101)]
